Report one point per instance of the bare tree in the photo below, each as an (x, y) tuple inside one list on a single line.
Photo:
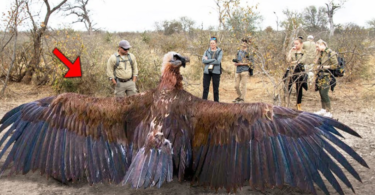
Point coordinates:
[(277, 22), (243, 21), (331, 8), (80, 10), (187, 24), (371, 23), (37, 33), (315, 18), (292, 25), (8, 35), (15, 21), (293, 20), (224, 10)]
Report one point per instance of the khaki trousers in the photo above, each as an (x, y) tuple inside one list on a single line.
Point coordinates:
[(127, 88), (241, 81)]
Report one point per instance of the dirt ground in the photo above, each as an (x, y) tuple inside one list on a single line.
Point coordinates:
[(352, 103)]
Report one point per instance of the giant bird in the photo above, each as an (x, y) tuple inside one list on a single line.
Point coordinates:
[(147, 139)]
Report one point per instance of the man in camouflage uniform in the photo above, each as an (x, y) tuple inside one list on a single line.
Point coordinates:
[(122, 70), (327, 60)]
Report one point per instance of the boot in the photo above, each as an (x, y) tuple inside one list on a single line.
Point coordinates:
[(239, 101), (299, 107), (235, 100)]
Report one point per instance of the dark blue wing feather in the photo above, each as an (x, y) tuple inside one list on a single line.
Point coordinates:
[(285, 147), (56, 136)]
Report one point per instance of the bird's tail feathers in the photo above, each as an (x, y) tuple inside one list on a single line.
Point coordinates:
[(150, 167)]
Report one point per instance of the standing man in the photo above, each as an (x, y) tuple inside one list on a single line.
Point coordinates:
[(122, 70), (244, 64), (309, 49)]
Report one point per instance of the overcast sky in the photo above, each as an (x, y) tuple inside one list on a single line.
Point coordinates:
[(140, 15)]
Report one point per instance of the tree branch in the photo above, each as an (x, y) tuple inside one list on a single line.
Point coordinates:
[(49, 11), (31, 16), (58, 6)]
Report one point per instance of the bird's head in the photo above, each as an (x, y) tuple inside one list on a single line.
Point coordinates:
[(171, 77)]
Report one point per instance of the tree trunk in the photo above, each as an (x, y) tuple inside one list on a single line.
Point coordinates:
[(37, 34), (331, 27), (35, 60), (330, 11), (13, 60), (90, 30)]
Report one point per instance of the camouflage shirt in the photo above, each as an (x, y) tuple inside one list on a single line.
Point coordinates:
[(327, 58)]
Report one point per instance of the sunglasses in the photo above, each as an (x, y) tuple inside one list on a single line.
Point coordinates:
[(213, 38), (126, 49)]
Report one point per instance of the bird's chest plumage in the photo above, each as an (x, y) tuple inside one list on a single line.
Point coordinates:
[(169, 111), (163, 103)]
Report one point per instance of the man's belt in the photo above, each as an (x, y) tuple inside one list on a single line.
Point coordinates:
[(123, 80)]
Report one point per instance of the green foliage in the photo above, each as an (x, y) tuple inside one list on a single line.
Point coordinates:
[(108, 37), (164, 44), (269, 29), (149, 74), (293, 20), (182, 25), (315, 19), (66, 85), (146, 37), (243, 23), (171, 27), (371, 23), (187, 24)]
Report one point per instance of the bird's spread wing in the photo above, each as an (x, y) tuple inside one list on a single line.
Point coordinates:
[(268, 146), (72, 136)]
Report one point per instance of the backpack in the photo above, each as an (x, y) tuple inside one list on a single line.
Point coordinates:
[(340, 70), (118, 60)]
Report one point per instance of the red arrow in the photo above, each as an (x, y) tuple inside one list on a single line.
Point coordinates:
[(74, 68)]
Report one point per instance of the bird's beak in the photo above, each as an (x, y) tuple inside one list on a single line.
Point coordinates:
[(179, 60)]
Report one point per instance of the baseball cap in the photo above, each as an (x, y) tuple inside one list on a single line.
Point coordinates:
[(124, 44)]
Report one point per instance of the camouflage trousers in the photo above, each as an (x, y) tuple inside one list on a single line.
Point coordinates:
[(324, 86)]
